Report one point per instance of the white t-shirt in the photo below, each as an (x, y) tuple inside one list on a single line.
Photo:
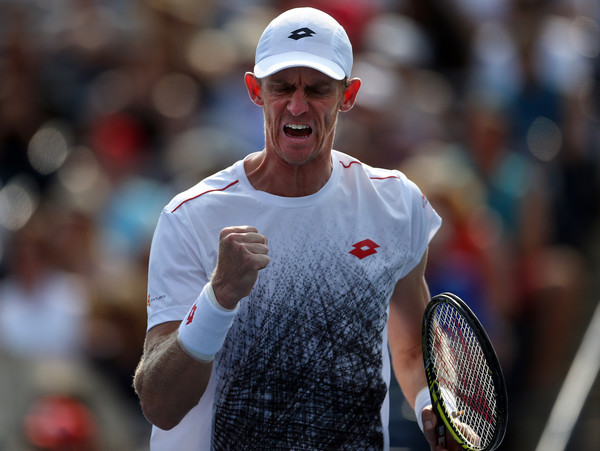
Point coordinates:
[(305, 363)]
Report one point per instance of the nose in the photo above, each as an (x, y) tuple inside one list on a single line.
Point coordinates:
[(297, 104)]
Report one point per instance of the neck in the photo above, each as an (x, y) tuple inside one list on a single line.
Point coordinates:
[(275, 176)]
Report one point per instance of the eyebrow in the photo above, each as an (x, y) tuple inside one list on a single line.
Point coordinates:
[(315, 85)]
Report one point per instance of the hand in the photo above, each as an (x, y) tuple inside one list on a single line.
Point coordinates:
[(242, 253), (430, 431)]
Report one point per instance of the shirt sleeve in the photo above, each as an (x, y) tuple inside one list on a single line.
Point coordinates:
[(424, 223), (176, 269)]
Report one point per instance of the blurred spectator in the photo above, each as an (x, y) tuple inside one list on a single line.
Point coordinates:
[(470, 256), (43, 310), (544, 275), (45, 319)]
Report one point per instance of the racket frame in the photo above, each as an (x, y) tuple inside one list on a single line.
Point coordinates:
[(444, 417)]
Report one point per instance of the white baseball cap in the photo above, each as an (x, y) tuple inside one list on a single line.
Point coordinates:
[(304, 37)]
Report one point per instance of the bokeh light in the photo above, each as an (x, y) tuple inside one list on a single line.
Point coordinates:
[(49, 147), (19, 199), (544, 139), (175, 95)]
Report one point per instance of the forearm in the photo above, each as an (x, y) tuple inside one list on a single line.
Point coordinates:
[(169, 382), (410, 373), (407, 306)]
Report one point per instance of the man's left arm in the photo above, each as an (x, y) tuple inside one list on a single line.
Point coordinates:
[(407, 307)]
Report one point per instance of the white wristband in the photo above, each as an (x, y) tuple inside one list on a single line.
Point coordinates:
[(422, 400), (203, 331)]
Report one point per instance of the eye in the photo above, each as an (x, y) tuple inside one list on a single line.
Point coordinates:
[(280, 88), (318, 90)]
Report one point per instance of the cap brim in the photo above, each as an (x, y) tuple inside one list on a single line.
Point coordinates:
[(275, 63)]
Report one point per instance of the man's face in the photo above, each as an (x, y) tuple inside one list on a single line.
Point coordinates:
[(300, 107)]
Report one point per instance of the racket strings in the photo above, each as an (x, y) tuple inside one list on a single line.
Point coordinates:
[(466, 385)]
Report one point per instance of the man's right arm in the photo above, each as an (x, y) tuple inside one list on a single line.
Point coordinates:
[(168, 381)]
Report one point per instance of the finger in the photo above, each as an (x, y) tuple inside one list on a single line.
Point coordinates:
[(248, 258), (262, 261), (253, 237), (257, 248), (237, 229), (240, 244), (429, 422), (232, 237), (245, 246)]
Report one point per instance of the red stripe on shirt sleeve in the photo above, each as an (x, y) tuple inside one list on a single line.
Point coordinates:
[(203, 193)]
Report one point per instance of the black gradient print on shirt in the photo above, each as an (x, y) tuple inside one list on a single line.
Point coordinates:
[(302, 365)]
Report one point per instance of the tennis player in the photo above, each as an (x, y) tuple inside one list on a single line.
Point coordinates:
[(275, 284)]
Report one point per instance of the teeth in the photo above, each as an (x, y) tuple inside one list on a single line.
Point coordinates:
[(297, 127)]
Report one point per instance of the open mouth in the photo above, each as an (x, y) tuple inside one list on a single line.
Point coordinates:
[(297, 131)]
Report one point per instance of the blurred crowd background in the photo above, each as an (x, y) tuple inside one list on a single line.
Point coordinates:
[(110, 107)]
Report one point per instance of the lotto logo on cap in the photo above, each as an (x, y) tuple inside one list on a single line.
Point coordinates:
[(304, 37)]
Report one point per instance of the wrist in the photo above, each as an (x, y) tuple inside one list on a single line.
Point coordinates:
[(210, 292), (202, 333), (422, 401), (222, 296)]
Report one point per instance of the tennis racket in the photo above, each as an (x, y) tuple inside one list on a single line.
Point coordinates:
[(465, 380)]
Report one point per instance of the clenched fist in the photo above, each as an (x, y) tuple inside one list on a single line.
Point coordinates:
[(242, 253)]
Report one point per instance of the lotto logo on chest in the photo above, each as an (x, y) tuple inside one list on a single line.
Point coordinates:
[(364, 248)]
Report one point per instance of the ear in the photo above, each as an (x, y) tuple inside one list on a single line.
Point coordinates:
[(253, 86), (350, 94)]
